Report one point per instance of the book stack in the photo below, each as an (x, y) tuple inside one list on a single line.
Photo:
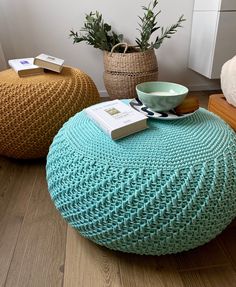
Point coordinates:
[(35, 66), (116, 118)]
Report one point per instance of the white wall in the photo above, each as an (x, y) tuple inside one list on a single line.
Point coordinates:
[(28, 28)]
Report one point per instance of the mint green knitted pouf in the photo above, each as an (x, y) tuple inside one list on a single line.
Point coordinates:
[(164, 190)]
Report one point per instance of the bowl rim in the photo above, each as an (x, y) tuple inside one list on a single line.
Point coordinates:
[(162, 82)]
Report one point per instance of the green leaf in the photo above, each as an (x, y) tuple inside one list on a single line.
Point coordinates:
[(99, 34), (96, 33), (107, 27), (120, 37), (155, 29)]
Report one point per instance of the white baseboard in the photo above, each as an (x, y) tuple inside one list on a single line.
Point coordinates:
[(211, 87)]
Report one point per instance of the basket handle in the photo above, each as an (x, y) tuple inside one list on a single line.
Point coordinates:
[(119, 44)]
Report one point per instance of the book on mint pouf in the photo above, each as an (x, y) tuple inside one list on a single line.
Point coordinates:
[(116, 118)]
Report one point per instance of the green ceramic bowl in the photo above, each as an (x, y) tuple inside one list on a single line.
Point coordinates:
[(161, 96)]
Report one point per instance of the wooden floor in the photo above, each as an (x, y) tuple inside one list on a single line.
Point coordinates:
[(38, 249)]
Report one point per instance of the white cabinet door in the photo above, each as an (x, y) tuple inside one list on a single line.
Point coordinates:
[(203, 42), (212, 42)]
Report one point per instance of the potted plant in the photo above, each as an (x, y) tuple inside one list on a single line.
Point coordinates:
[(126, 65)]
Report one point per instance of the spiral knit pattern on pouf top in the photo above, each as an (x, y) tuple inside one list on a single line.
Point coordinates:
[(167, 189), (33, 109)]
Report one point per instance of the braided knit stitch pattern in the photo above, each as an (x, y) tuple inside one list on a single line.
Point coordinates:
[(33, 109), (164, 190)]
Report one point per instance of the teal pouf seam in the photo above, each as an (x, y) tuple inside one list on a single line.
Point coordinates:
[(164, 190)]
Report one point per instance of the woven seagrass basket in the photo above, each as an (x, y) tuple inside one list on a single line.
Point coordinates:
[(123, 71)]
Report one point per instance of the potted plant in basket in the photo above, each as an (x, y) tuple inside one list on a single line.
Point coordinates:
[(126, 65)]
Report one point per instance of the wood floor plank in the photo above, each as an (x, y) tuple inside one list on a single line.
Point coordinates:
[(212, 277), (197, 259), (233, 223), (228, 243), (11, 174), (39, 255), (6, 172), (88, 264), (17, 182), (149, 271)]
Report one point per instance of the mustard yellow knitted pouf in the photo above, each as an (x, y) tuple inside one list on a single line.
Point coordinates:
[(33, 109)]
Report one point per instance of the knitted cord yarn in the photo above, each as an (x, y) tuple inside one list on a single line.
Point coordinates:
[(33, 109), (167, 189)]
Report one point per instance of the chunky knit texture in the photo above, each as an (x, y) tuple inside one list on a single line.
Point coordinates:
[(163, 190), (33, 109)]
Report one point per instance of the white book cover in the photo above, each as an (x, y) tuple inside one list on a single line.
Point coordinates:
[(50, 59), (22, 64), (116, 118)]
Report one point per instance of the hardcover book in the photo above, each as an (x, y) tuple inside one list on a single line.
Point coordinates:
[(49, 62), (116, 118), (25, 67)]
